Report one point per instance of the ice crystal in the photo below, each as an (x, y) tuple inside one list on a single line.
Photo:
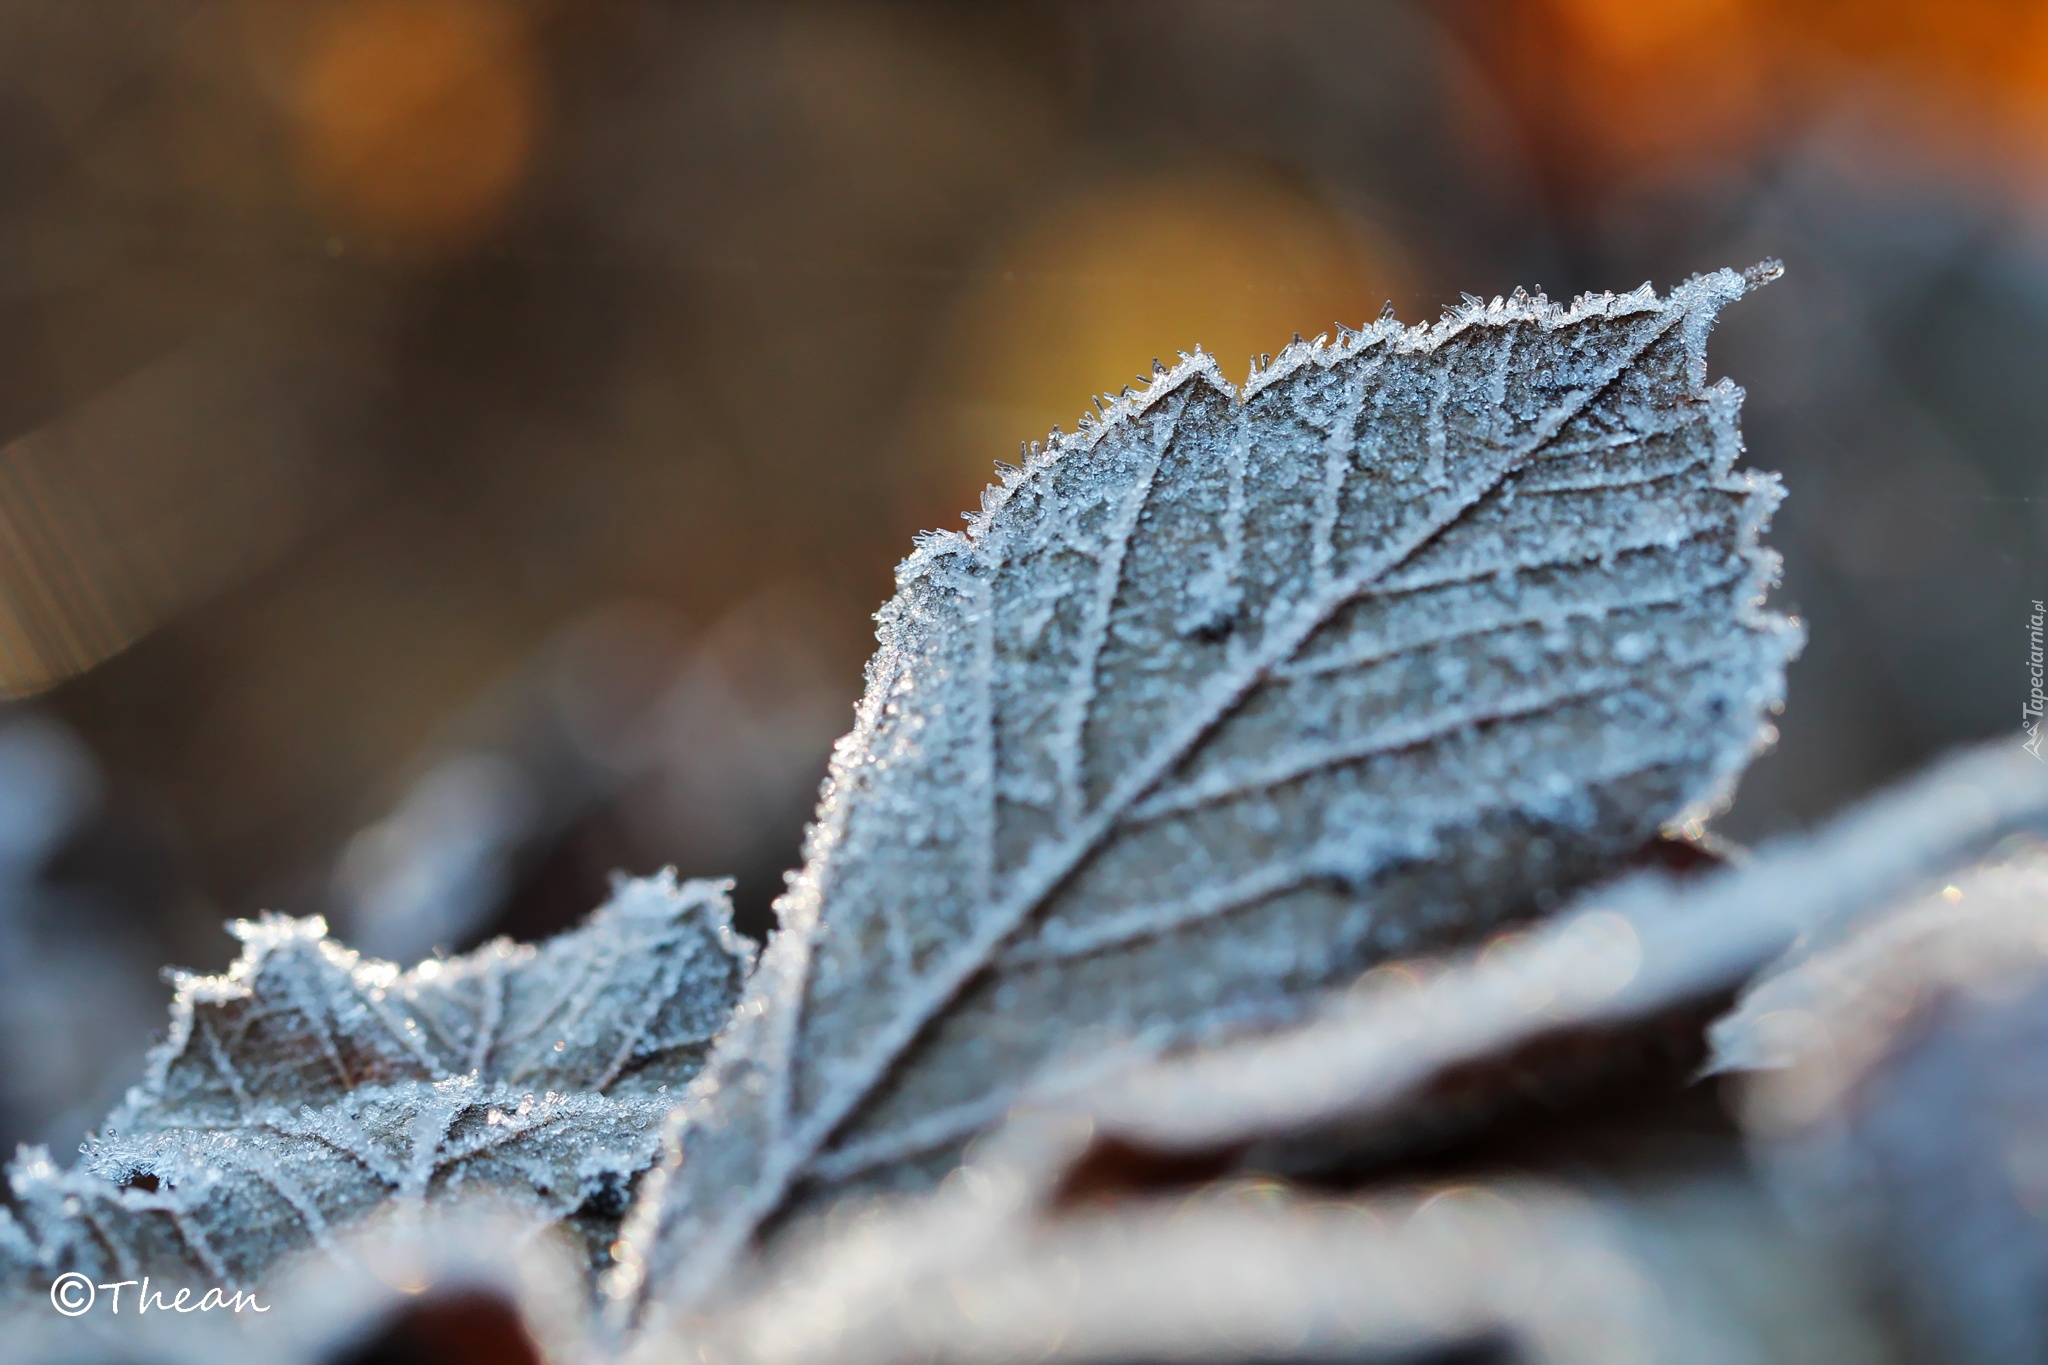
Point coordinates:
[(1229, 696), (309, 1088)]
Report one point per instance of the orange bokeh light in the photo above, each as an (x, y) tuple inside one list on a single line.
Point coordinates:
[(1619, 89), (415, 119), (1639, 30), (1101, 283)]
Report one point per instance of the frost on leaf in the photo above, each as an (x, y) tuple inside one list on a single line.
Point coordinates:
[(1229, 696), (309, 1088)]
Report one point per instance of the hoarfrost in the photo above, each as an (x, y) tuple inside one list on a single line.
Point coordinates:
[(1226, 698)]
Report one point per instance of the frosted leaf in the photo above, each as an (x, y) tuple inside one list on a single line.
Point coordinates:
[(308, 1088), (1898, 1101), (1254, 1272), (1230, 696), (1839, 1005), (1622, 956)]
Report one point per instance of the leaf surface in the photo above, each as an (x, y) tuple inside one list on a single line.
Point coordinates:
[(1228, 697)]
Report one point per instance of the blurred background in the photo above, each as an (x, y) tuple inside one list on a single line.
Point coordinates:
[(452, 447)]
